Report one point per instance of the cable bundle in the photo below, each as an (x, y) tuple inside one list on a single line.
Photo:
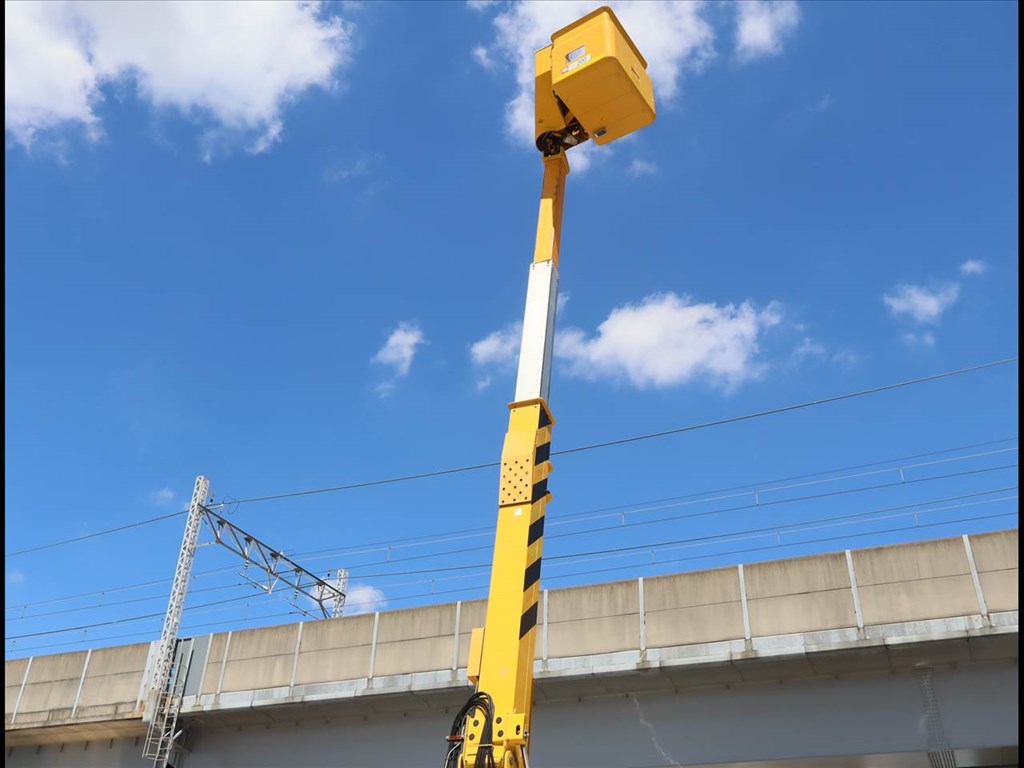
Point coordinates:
[(457, 737)]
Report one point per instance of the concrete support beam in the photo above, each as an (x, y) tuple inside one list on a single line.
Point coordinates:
[(81, 682), (982, 608), (743, 602), (858, 613), (21, 690)]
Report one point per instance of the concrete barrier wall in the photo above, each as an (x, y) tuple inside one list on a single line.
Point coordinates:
[(956, 577), (913, 582), (334, 651), (51, 688), (995, 554), (415, 640), (260, 658), (690, 608), (14, 673), (802, 595), (112, 684), (602, 618)]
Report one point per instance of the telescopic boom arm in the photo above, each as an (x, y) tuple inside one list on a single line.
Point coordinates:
[(591, 82)]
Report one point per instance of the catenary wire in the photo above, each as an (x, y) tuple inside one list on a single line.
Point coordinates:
[(638, 507), (588, 572), (550, 558), (756, 505), (102, 606), (129, 618), (568, 519), (635, 510), (618, 551), (869, 516), (767, 530), (601, 570), (105, 532), (647, 436), (563, 452)]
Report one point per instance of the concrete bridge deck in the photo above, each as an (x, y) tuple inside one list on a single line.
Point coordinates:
[(860, 636)]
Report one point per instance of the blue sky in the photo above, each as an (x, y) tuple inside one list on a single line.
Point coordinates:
[(286, 247)]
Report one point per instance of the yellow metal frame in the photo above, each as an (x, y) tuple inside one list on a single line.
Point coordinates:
[(502, 652)]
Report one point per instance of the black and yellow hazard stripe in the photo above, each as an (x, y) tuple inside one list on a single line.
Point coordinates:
[(525, 463)]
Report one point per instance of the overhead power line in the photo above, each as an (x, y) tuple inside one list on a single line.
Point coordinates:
[(190, 628), (563, 452), (736, 508), (551, 558), (106, 532), (637, 507), (765, 486), (856, 518), (864, 516), (125, 620), (103, 606), (785, 545), (648, 436), (777, 545)]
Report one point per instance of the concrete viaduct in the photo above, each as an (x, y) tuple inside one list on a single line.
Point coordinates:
[(886, 657)]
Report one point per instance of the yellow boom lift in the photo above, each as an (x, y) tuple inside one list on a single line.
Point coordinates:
[(591, 83)]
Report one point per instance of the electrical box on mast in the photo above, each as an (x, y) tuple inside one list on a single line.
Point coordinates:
[(592, 82)]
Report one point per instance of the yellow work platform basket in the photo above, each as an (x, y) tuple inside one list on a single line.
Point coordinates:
[(599, 74)]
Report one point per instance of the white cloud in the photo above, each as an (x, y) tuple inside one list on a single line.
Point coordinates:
[(483, 58), (398, 353), (232, 67), (48, 77), (498, 348), (498, 351), (926, 339), (821, 104), (973, 267), (359, 598), (808, 347), (673, 37), (642, 168), (846, 358), (362, 598), (344, 170), (400, 348), (762, 25), (165, 497), (923, 305), (663, 341), (667, 340)]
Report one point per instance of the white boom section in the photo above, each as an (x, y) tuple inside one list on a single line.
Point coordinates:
[(538, 343)]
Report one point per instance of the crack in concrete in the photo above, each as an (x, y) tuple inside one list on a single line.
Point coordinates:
[(650, 727)]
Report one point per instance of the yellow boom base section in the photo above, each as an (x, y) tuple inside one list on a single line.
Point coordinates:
[(501, 656)]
